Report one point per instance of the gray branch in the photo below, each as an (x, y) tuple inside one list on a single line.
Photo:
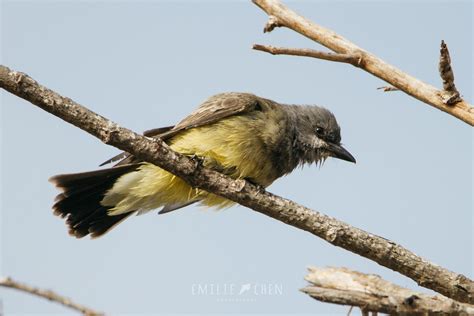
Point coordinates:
[(378, 249)]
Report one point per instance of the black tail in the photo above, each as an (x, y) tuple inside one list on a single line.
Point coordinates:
[(80, 200)]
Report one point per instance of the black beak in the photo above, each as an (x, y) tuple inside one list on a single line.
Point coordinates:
[(339, 152)]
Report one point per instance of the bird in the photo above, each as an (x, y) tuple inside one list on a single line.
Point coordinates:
[(241, 135)]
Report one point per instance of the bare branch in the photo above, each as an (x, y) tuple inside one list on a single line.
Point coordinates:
[(49, 295), (371, 63), (447, 75), (372, 293), (305, 52), (378, 249)]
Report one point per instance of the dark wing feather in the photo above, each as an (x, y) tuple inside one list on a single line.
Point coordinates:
[(215, 108)]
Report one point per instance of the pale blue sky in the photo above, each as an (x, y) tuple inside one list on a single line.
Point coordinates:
[(146, 64)]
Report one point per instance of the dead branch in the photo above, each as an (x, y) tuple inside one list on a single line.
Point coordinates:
[(338, 233), (372, 293), (49, 295), (282, 16)]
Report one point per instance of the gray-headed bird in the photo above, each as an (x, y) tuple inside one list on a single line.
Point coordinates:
[(238, 134)]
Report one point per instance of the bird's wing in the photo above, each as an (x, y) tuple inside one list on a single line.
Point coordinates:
[(215, 108)]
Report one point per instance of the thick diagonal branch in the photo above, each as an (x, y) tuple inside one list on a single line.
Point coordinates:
[(157, 152), (49, 295), (372, 293), (282, 16)]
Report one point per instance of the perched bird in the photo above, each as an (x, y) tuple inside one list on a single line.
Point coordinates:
[(239, 134)]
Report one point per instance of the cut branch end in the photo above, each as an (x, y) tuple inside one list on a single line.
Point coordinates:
[(271, 24)]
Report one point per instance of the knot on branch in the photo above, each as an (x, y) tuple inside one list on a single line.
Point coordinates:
[(22, 82), (333, 233), (411, 300), (271, 24), (111, 134), (17, 76)]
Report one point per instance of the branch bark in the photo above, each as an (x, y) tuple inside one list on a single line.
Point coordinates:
[(378, 249), (281, 16), (49, 295), (372, 293)]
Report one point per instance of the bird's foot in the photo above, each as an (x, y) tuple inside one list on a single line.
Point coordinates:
[(260, 187)]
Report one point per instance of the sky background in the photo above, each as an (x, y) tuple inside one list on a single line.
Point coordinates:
[(147, 64)]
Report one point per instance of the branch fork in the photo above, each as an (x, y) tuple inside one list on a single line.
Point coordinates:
[(447, 100), (353, 59)]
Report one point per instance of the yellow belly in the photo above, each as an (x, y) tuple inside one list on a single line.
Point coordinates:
[(234, 146)]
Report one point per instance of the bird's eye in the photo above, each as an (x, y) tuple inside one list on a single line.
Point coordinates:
[(319, 131)]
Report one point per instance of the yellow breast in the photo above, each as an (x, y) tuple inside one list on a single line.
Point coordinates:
[(234, 146)]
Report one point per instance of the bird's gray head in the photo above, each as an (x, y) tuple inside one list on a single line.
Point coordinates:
[(316, 135)]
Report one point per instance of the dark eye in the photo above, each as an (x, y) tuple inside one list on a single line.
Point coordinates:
[(319, 131)]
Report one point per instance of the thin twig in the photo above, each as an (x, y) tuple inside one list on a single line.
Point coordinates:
[(373, 294), (306, 52), (284, 17), (452, 95), (338, 233), (49, 295), (350, 310), (388, 88)]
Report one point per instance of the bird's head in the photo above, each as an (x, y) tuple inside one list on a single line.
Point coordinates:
[(317, 135)]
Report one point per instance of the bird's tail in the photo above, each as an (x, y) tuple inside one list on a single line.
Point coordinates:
[(80, 201)]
